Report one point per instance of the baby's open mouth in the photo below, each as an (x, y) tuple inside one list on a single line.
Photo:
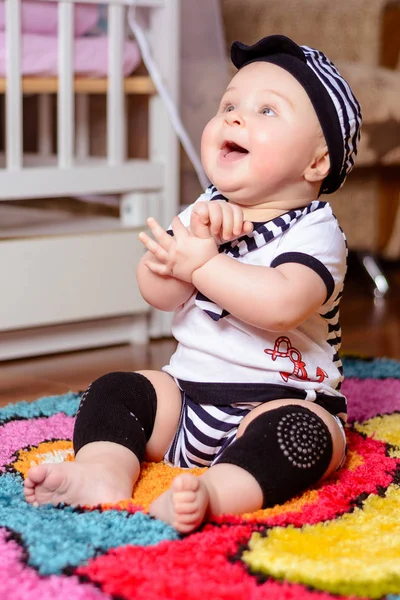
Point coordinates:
[(232, 151)]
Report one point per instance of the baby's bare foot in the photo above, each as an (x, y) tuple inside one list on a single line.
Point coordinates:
[(184, 505), (76, 484)]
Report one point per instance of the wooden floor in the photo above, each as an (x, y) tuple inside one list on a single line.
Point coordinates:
[(370, 327)]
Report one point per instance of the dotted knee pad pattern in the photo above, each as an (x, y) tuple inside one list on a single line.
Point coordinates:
[(118, 407), (286, 449)]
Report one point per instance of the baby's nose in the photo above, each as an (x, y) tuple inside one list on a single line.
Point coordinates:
[(234, 118)]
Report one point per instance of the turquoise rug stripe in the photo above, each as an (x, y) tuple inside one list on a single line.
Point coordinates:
[(377, 368), (44, 407), (64, 537)]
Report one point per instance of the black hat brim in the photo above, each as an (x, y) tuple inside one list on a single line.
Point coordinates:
[(241, 54)]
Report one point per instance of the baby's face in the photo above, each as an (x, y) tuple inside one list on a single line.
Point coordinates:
[(263, 137)]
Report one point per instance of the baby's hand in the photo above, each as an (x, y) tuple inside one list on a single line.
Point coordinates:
[(179, 255), (218, 219)]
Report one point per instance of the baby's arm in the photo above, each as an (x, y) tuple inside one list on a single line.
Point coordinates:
[(163, 292), (276, 299)]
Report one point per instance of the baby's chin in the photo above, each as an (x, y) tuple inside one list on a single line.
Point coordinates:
[(225, 183), (234, 191)]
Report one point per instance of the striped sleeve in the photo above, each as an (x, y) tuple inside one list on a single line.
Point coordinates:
[(319, 245)]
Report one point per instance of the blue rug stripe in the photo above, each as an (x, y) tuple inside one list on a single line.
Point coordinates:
[(44, 407), (376, 368), (58, 538)]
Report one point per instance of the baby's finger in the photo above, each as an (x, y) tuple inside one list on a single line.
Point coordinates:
[(198, 227), (237, 220), (216, 218), (162, 237), (247, 227), (158, 268), (228, 222), (153, 247), (201, 209)]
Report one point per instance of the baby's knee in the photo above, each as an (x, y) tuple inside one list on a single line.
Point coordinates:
[(118, 407), (286, 449)]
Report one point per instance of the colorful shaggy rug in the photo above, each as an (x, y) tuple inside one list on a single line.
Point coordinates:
[(339, 540)]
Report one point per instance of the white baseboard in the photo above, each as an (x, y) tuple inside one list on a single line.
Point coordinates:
[(73, 336)]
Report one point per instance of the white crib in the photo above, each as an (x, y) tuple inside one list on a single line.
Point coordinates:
[(72, 285)]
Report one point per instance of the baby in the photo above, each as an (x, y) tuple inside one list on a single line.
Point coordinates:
[(254, 271)]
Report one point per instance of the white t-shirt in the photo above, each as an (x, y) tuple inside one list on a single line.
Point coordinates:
[(216, 347)]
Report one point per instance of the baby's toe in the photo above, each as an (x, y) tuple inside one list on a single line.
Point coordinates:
[(29, 484), (185, 497), (30, 498), (185, 508), (185, 483), (183, 519), (36, 475)]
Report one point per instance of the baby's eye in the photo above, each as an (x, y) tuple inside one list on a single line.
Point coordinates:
[(229, 108), (268, 111)]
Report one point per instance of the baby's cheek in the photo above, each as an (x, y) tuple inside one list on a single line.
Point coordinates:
[(269, 169), (206, 153), (273, 149), (264, 146), (208, 138), (266, 159)]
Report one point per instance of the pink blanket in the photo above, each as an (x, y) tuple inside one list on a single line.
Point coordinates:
[(39, 56), (41, 17)]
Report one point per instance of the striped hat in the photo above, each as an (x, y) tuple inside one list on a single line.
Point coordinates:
[(336, 106)]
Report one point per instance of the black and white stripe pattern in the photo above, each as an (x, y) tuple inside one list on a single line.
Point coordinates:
[(269, 231), (256, 239), (215, 194), (334, 338), (204, 431), (347, 107)]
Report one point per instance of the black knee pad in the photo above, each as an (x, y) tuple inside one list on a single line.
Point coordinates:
[(118, 407), (286, 449)]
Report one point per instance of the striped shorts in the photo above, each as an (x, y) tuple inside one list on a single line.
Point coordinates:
[(204, 431)]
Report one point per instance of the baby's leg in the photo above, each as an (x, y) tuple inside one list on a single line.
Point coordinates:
[(101, 472), (282, 448), (119, 413), (191, 499)]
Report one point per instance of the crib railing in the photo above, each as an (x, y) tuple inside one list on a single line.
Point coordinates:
[(13, 124), (72, 117)]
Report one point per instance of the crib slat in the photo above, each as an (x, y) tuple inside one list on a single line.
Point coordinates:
[(82, 126), (13, 89), (65, 115), (115, 94), (44, 123)]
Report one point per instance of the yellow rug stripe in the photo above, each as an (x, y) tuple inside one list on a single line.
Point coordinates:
[(358, 553), (385, 429)]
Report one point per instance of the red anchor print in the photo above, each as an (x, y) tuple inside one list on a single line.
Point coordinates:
[(284, 349)]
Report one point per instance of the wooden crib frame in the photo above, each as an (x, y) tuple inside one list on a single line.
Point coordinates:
[(75, 287)]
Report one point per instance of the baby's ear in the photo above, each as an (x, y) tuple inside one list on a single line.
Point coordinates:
[(319, 168)]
